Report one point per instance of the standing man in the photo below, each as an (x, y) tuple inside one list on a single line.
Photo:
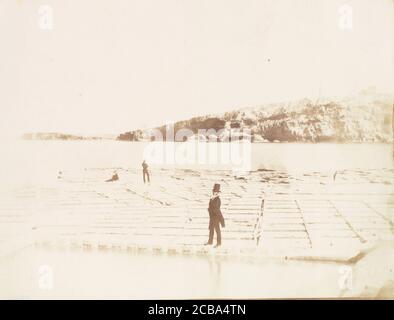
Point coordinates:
[(145, 171), (215, 217)]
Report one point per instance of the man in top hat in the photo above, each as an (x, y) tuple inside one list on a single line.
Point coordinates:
[(215, 216)]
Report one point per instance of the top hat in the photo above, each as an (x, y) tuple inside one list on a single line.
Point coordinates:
[(216, 187)]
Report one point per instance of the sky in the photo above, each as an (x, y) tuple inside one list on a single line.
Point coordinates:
[(110, 66)]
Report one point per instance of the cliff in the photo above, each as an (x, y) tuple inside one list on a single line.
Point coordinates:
[(365, 118)]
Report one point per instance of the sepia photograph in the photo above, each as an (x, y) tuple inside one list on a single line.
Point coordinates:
[(196, 149)]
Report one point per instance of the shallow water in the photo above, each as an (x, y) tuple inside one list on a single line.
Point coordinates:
[(119, 275), (35, 162)]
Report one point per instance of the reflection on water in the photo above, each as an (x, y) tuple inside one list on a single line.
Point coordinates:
[(95, 274)]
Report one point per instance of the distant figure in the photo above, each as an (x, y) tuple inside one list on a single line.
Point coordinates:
[(115, 177), (215, 217), (145, 172)]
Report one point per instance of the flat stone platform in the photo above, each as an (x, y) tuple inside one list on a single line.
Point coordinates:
[(315, 215)]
